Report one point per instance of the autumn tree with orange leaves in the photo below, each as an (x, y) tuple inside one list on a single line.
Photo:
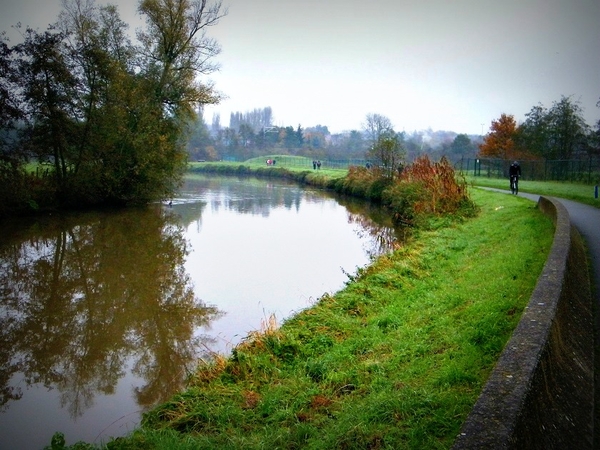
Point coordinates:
[(501, 141)]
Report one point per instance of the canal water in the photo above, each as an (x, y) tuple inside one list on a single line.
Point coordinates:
[(104, 314)]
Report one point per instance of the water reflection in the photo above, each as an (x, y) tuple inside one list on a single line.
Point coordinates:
[(248, 196), (242, 195), (83, 295), (103, 309), (309, 245), (376, 223)]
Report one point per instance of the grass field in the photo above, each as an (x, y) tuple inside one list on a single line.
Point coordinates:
[(572, 191), (292, 163)]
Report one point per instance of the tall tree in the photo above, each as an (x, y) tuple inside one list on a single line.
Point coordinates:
[(102, 59), (375, 126), (568, 130), (355, 143), (290, 137), (81, 83), (316, 137), (389, 152), (49, 90), (200, 144), (462, 146), (299, 136), (500, 141), (13, 180), (176, 49), (386, 146), (246, 135), (215, 125), (256, 119), (10, 113), (534, 133)]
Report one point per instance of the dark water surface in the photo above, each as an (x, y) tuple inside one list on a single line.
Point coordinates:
[(103, 314)]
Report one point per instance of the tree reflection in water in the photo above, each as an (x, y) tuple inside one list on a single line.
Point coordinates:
[(375, 222), (85, 295), (250, 197)]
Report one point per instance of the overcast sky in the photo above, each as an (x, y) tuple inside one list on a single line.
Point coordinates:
[(446, 64)]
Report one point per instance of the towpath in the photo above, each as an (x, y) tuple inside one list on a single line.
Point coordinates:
[(587, 221)]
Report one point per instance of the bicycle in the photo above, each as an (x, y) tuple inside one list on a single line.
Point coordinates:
[(514, 184)]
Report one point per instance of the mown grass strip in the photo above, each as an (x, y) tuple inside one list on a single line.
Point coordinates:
[(258, 164), (396, 359), (583, 193)]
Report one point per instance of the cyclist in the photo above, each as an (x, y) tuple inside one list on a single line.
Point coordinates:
[(514, 172)]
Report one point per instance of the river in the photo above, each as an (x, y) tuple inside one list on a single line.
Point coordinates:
[(103, 314)]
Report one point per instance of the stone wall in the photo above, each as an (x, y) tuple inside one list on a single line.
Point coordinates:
[(540, 394)]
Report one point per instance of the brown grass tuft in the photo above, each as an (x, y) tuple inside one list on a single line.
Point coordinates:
[(250, 399)]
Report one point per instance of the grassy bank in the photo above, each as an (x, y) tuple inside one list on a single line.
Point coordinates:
[(394, 360), (583, 193), (425, 194), (297, 172), (578, 192)]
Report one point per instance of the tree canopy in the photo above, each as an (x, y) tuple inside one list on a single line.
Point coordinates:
[(387, 148), (500, 141), (556, 133), (107, 115)]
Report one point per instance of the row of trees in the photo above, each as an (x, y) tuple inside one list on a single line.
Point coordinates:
[(251, 134), (556, 133), (243, 139), (256, 120), (106, 115)]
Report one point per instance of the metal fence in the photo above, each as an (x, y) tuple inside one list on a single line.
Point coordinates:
[(301, 161), (574, 170), (585, 171)]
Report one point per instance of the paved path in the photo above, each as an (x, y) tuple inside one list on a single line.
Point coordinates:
[(587, 221)]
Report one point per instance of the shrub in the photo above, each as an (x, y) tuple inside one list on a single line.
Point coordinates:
[(404, 199), (359, 182), (426, 189), (22, 193)]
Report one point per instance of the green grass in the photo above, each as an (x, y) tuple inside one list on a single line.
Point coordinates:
[(396, 359), (291, 163), (582, 193)]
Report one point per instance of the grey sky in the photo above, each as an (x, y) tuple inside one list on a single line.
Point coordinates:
[(451, 65)]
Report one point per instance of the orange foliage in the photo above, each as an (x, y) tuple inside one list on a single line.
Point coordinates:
[(500, 141), (444, 192)]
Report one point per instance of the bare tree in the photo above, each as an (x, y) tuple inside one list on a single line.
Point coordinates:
[(375, 126)]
